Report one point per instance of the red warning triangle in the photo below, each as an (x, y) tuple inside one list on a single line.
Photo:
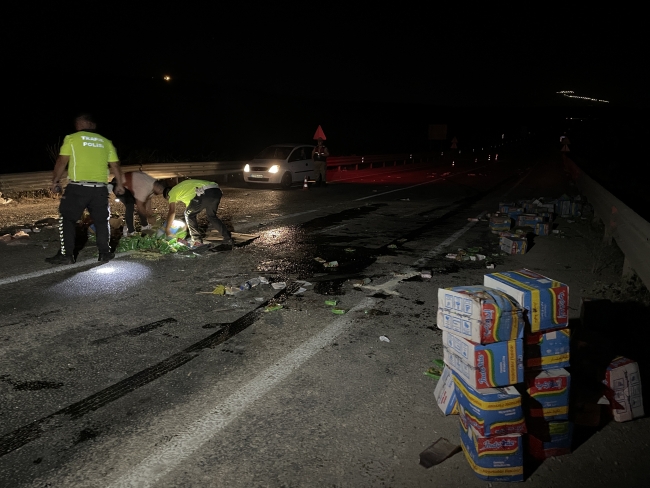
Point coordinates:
[(319, 134)]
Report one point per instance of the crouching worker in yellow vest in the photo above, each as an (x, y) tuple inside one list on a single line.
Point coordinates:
[(196, 195)]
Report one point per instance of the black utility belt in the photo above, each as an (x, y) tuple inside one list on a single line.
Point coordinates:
[(93, 184), (201, 189)]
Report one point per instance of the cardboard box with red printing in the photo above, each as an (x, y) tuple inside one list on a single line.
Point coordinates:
[(547, 350), (494, 458), (479, 314), (513, 245), (547, 394), (623, 379), (500, 223), (491, 411), (484, 366), (545, 299)]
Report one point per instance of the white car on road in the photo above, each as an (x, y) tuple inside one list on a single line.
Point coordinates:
[(281, 164)]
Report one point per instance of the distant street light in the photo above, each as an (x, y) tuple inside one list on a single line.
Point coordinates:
[(167, 78)]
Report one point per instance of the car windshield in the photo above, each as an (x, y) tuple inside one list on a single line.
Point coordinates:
[(275, 152)]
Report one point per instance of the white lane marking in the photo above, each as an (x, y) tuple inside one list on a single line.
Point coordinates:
[(446, 242), (328, 229), (517, 184), (57, 269), (184, 444)]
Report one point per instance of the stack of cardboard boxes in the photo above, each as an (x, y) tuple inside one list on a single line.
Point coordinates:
[(547, 383), (533, 215), (505, 378), (483, 350)]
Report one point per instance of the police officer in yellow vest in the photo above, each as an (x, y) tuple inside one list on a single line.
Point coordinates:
[(87, 156)]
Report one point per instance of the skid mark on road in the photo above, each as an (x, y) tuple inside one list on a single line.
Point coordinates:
[(143, 329), (30, 432)]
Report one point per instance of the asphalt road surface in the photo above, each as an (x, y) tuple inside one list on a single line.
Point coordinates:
[(130, 374)]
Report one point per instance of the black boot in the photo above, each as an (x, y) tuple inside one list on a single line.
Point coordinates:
[(105, 257), (59, 258)]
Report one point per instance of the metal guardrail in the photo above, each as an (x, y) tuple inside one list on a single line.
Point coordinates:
[(40, 180), (343, 163), (624, 225)]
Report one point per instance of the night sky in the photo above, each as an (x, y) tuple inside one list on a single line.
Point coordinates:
[(246, 76)]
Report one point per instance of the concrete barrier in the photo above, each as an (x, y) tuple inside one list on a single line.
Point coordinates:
[(622, 224)]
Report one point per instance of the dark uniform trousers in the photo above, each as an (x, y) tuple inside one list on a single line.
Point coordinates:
[(209, 201), (73, 202)]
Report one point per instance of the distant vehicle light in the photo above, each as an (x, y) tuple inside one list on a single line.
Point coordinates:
[(274, 169), (167, 78), (247, 168)]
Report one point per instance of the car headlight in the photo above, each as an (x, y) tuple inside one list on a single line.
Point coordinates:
[(274, 169), (247, 168)]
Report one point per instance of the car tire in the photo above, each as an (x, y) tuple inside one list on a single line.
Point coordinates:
[(287, 180)]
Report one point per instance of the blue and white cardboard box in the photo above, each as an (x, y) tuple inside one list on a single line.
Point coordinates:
[(494, 458), (484, 365), (479, 314), (491, 411), (545, 299), (445, 393)]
